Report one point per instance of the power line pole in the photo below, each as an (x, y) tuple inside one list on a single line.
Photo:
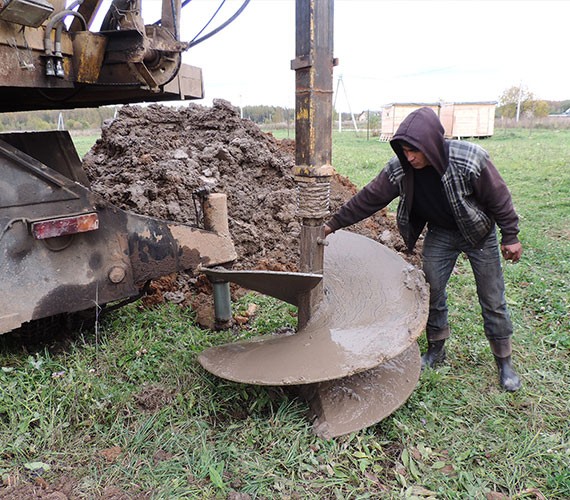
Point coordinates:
[(519, 102), (338, 84)]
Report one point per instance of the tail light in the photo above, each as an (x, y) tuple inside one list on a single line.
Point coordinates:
[(63, 226)]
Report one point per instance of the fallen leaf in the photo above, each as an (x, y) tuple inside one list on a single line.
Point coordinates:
[(37, 466), (41, 482), (423, 492), (448, 470), (537, 493), (240, 320), (111, 454), (251, 310), (495, 495)]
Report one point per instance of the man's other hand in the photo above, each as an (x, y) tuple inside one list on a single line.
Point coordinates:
[(328, 230), (512, 252)]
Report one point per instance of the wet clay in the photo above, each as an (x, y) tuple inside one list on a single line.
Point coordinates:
[(374, 307), (353, 403)]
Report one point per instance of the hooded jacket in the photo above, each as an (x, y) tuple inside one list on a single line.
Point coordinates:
[(476, 192)]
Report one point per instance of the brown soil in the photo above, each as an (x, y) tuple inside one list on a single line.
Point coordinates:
[(151, 160), (64, 488)]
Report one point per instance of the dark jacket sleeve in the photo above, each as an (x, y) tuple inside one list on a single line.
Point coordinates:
[(377, 194), (492, 192)]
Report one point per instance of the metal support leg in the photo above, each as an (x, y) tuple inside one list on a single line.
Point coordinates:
[(222, 303), (215, 209)]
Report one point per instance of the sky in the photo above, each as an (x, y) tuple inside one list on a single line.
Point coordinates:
[(388, 50)]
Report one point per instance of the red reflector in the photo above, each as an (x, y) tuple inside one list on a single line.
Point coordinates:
[(63, 226)]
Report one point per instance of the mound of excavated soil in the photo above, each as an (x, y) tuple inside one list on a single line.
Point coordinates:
[(151, 160)]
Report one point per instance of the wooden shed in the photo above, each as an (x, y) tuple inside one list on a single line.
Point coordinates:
[(459, 119), (393, 115)]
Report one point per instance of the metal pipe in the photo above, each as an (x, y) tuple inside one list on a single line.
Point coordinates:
[(313, 67), (222, 302)]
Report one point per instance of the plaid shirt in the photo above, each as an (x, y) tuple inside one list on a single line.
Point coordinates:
[(466, 161)]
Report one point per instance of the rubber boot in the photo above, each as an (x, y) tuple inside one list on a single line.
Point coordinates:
[(435, 354), (508, 378)]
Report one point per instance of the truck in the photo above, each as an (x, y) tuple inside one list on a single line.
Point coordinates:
[(64, 249)]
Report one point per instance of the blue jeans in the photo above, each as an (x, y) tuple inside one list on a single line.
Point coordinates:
[(440, 252)]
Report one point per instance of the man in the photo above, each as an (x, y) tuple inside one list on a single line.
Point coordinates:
[(454, 188)]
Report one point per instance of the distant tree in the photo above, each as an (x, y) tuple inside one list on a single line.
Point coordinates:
[(519, 97), (538, 109), (374, 119), (563, 106), (267, 114), (35, 122), (510, 98), (278, 115)]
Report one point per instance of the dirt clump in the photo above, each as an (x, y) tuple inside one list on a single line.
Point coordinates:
[(151, 160), (153, 397)]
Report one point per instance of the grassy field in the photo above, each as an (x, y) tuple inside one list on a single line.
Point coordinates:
[(126, 408)]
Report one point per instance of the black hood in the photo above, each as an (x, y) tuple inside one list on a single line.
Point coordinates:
[(423, 130)]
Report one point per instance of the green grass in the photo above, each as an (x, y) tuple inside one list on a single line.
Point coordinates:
[(359, 158), (135, 384), (355, 154), (83, 143)]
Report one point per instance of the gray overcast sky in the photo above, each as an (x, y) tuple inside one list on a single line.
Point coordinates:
[(389, 50)]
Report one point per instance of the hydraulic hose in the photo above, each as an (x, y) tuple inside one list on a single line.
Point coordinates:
[(213, 32), (60, 16), (222, 26), (209, 21)]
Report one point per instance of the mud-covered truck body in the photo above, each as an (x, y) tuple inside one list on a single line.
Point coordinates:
[(63, 248)]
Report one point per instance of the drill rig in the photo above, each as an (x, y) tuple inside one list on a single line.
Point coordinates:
[(64, 249)]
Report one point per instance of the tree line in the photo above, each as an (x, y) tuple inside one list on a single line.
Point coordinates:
[(514, 102), (68, 119), (93, 118), (518, 101)]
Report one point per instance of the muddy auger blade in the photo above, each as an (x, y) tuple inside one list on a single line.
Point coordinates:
[(281, 285), (357, 356)]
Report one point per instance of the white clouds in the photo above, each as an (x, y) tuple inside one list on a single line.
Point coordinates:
[(390, 50)]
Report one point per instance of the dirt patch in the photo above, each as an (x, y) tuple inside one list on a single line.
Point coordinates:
[(151, 160), (154, 397), (62, 488)]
